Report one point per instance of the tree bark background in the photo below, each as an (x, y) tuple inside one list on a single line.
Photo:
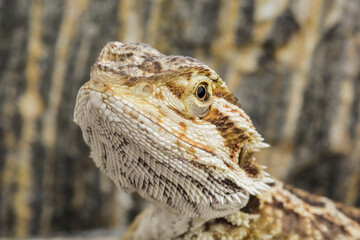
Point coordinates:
[(294, 66)]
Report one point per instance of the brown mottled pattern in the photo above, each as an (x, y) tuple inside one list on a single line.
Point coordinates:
[(295, 214), (281, 215), (177, 90), (136, 62), (223, 92), (351, 212), (312, 200), (234, 139), (226, 128), (249, 165)]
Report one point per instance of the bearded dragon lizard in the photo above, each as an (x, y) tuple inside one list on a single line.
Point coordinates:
[(169, 128)]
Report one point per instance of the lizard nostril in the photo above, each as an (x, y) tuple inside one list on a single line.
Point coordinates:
[(144, 88), (98, 86)]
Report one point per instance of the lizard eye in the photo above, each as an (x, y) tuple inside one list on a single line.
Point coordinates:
[(201, 92)]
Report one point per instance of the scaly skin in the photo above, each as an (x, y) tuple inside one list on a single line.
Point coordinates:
[(169, 128)]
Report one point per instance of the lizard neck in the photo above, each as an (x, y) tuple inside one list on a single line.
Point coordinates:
[(158, 223)]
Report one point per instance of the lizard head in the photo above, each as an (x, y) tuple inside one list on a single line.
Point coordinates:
[(169, 128)]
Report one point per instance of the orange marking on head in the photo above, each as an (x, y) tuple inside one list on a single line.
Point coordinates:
[(191, 142), (159, 95), (228, 165), (183, 126)]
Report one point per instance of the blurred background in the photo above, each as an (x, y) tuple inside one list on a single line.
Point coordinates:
[(293, 65)]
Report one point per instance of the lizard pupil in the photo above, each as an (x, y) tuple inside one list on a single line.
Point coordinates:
[(201, 93)]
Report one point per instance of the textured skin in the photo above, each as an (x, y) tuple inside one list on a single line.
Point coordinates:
[(283, 213), (192, 157)]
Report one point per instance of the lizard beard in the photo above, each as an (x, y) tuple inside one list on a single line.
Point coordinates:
[(137, 160)]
